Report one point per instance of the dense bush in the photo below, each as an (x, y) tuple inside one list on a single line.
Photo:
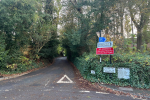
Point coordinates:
[(3, 54), (22, 25), (13, 62), (49, 51), (139, 65)]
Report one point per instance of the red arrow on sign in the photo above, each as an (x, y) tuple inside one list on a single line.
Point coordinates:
[(104, 51)]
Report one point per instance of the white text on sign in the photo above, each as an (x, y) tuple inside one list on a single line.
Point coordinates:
[(104, 44)]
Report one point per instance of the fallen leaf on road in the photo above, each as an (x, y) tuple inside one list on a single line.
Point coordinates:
[(88, 96)]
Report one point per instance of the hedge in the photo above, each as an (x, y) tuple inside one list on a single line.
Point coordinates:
[(138, 63)]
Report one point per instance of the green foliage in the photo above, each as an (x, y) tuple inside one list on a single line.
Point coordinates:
[(146, 34), (43, 29), (59, 49), (138, 63), (3, 54), (81, 21), (27, 65), (14, 62), (16, 16), (22, 24), (71, 42), (49, 51)]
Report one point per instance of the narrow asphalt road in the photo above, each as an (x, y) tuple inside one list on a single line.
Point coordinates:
[(56, 82)]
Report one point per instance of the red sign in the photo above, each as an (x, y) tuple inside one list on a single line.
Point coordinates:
[(104, 51)]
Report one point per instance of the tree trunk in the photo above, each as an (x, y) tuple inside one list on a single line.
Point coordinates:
[(139, 39), (121, 25)]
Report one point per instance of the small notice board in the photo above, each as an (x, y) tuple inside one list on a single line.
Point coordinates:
[(123, 73), (109, 70)]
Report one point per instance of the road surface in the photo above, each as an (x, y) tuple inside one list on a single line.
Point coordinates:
[(56, 82)]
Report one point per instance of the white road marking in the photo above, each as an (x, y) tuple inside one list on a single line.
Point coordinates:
[(69, 80), (102, 92), (63, 90), (47, 83), (85, 91), (48, 90)]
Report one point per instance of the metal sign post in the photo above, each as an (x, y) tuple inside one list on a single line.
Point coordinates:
[(100, 55), (110, 55), (104, 48)]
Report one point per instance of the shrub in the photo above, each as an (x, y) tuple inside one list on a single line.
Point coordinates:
[(49, 51), (3, 54), (138, 63)]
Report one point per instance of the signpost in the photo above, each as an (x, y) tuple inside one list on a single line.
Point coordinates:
[(105, 48), (104, 51)]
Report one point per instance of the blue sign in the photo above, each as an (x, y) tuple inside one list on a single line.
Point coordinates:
[(102, 39)]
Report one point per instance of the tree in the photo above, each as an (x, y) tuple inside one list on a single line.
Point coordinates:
[(82, 20), (27, 23), (119, 8), (43, 27), (139, 8), (58, 8), (24, 23), (146, 34), (16, 16), (127, 26)]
